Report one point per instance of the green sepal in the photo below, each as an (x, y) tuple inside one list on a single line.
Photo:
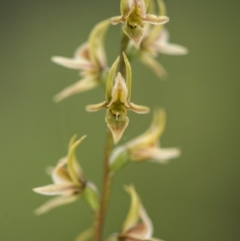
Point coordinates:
[(73, 166), (116, 124), (133, 32), (118, 159), (111, 75), (90, 195), (128, 76)]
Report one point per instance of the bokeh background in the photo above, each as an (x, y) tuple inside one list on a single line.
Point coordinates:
[(195, 197)]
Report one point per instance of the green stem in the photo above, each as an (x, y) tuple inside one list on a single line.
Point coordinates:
[(106, 185), (124, 44)]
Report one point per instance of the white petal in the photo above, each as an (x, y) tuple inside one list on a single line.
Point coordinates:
[(162, 155), (165, 47), (55, 202), (172, 49), (140, 109), (96, 107), (72, 63), (81, 86), (153, 19), (57, 189), (117, 20), (147, 223)]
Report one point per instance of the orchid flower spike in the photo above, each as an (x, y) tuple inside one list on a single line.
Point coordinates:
[(134, 15), (90, 59), (155, 41), (118, 101), (68, 182), (145, 147), (137, 225)]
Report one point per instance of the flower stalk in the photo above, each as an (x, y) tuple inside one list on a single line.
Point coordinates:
[(106, 185)]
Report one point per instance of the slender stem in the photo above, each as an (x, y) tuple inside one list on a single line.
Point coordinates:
[(106, 184), (107, 178), (124, 44)]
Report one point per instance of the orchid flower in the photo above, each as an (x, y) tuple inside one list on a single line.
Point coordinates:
[(68, 182), (90, 59), (118, 101), (134, 15), (147, 147), (137, 225), (155, 41)]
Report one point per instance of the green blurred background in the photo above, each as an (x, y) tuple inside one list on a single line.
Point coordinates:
[(195, 197)]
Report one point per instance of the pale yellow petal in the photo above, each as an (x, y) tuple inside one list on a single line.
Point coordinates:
[(172, 49), (148, 227), (71, 63), (162, 155), (59, 173), (133, 214), (153, 19), (116, 20), (78, 87), (71, 163), (140, 109), (164, 47), (55, 202), (96, 107), (57, 189), (119, 91), (77, 167)]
